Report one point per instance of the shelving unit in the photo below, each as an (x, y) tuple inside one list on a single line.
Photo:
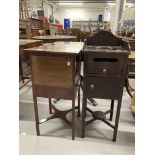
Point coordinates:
[(36, 25), (87, 25), (24, 29)]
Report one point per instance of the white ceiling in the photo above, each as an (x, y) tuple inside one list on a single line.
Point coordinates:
[(88, 1), (89, 6), (83, 6)]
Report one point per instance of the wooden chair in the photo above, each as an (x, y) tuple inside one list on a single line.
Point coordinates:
[(75, 32), (132, 44), (131, 65)]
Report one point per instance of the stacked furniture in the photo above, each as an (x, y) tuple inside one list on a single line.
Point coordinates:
[(36, 25), (24, 29)]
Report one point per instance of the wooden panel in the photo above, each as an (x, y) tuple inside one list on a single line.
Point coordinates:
[(52, 71), (107, 88), (104, 38), (53, 92)]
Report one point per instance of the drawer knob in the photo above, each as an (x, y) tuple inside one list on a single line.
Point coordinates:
[(92, 86), (68, 63), (104, 70)]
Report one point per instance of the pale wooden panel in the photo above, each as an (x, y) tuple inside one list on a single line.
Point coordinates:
[(56, 37), (67, 48)]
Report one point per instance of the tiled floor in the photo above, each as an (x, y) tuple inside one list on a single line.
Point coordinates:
[(55, 136)]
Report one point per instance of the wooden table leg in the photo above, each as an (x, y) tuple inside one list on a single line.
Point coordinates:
[(112, 110), (73, 119), (36, 115), (84, 115), (79, 102), (21, 69), (117, 119), (50, 107)]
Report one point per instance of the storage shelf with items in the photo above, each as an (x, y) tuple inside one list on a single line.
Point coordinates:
[(127, 28), (24, 29), (36, 25), (76, 24), (87, 25)]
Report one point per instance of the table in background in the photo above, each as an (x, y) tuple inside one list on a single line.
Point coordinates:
[(130, 40), (23, 44)]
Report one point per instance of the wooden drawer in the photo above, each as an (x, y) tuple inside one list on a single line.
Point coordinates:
[(101, 87), (105, 64)]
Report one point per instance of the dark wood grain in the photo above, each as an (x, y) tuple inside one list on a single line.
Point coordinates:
[(50, 73), (103, 38), (105, 73), (55, 72)]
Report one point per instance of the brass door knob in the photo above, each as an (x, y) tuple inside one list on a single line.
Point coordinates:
[(104, 70), (92, 86), (68, 63)]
